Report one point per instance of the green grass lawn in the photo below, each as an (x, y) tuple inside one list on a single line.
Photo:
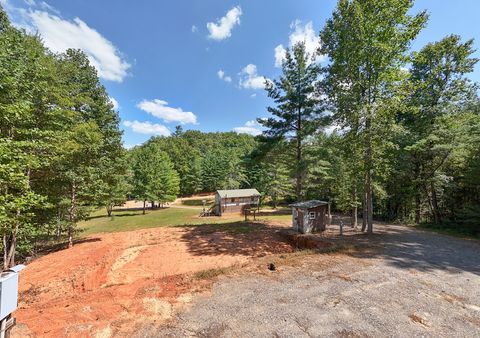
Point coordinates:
[(169, 217)]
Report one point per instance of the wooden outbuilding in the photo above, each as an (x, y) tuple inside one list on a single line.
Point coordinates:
[(310, 216), (236, 201)]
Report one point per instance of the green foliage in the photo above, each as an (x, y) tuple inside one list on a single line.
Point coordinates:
[(58, 134), (297, 113), (154, 177)]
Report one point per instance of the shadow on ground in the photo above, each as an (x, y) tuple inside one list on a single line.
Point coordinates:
[(409, 248), (400, 246), (235, 238)]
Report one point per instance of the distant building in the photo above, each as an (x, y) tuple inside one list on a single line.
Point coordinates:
[(235, 201), (310, 216)]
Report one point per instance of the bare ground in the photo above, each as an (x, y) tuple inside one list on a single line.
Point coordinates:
[(400, 282), (113, 284)]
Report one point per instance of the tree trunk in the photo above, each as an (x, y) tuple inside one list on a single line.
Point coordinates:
[(152, 205), (109, 210), (144, 203), (355, 209), (364, 212), (436, 213), (418, 207), (369, 203), (369, 172), (10, 246), (73, 214), (298, 174)]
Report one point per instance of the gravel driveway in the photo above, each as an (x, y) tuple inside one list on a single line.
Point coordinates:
[(411, 284)]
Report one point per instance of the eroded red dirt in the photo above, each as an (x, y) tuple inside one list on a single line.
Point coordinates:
[(112, 283)]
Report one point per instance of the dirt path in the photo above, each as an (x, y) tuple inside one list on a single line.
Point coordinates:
[(113, 283), (403, 283)]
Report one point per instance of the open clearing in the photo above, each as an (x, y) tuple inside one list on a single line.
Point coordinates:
[(212, 281), (122, 281)]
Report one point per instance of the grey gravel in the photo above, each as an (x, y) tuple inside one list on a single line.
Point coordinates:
[(414, 284)]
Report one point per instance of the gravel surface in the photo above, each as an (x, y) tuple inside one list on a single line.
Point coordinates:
[(411, 284)]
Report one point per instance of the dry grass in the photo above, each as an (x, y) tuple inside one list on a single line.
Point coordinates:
[(452, 298), (417, 319), (212, 273)]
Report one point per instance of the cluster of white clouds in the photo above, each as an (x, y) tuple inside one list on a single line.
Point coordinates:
[(222, 29), (300, 33), (221, 75), (249, 78), (59, 34), (251, 127), (161, 110), (147, 128)]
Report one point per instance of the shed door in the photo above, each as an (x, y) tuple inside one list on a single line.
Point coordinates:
[(300, 220)]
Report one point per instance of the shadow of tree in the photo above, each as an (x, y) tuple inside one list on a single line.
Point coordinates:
[(409, 248), (47, 247), (399, 246), (236, 238)]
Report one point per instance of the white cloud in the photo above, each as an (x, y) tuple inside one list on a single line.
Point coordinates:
[(300, 33), (194, 29), (159, 108), (147, 128), (223, 28), (130, 146), (249, 78), (254, 95), (251, 127), (279, 55), (221, 75), (114, 103), (59, 34)]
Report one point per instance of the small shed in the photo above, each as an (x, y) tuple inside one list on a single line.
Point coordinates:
[(310, 216), (236, 201)]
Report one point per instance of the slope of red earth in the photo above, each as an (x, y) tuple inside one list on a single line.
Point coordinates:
[(111, 284)]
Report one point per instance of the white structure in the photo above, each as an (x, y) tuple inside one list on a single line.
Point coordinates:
[(8, 297)]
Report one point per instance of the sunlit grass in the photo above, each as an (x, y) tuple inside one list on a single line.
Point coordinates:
[(127, 220)]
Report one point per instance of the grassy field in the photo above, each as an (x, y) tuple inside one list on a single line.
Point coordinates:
[(127, 220)]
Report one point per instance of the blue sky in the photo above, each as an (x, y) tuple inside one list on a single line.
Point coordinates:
[(199, 63)]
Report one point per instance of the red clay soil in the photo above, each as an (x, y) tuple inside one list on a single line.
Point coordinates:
[(112, 283)]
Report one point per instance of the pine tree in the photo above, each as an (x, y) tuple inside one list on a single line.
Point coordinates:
[(297, 111)]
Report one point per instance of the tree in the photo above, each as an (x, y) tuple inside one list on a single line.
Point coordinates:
[(26, 134), (298, 111), (439, 86), (115, 182), (94, 136), (154, 178), (367, 41)]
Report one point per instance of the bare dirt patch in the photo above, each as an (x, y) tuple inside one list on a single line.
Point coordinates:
[(118, 282)]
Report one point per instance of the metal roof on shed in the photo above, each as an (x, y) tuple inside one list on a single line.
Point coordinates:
[(238, 193), (308, 204)]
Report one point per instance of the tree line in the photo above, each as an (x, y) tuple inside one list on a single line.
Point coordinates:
[(60, 144), (404, 145)]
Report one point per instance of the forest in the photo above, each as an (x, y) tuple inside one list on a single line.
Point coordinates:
[(379, 130)]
